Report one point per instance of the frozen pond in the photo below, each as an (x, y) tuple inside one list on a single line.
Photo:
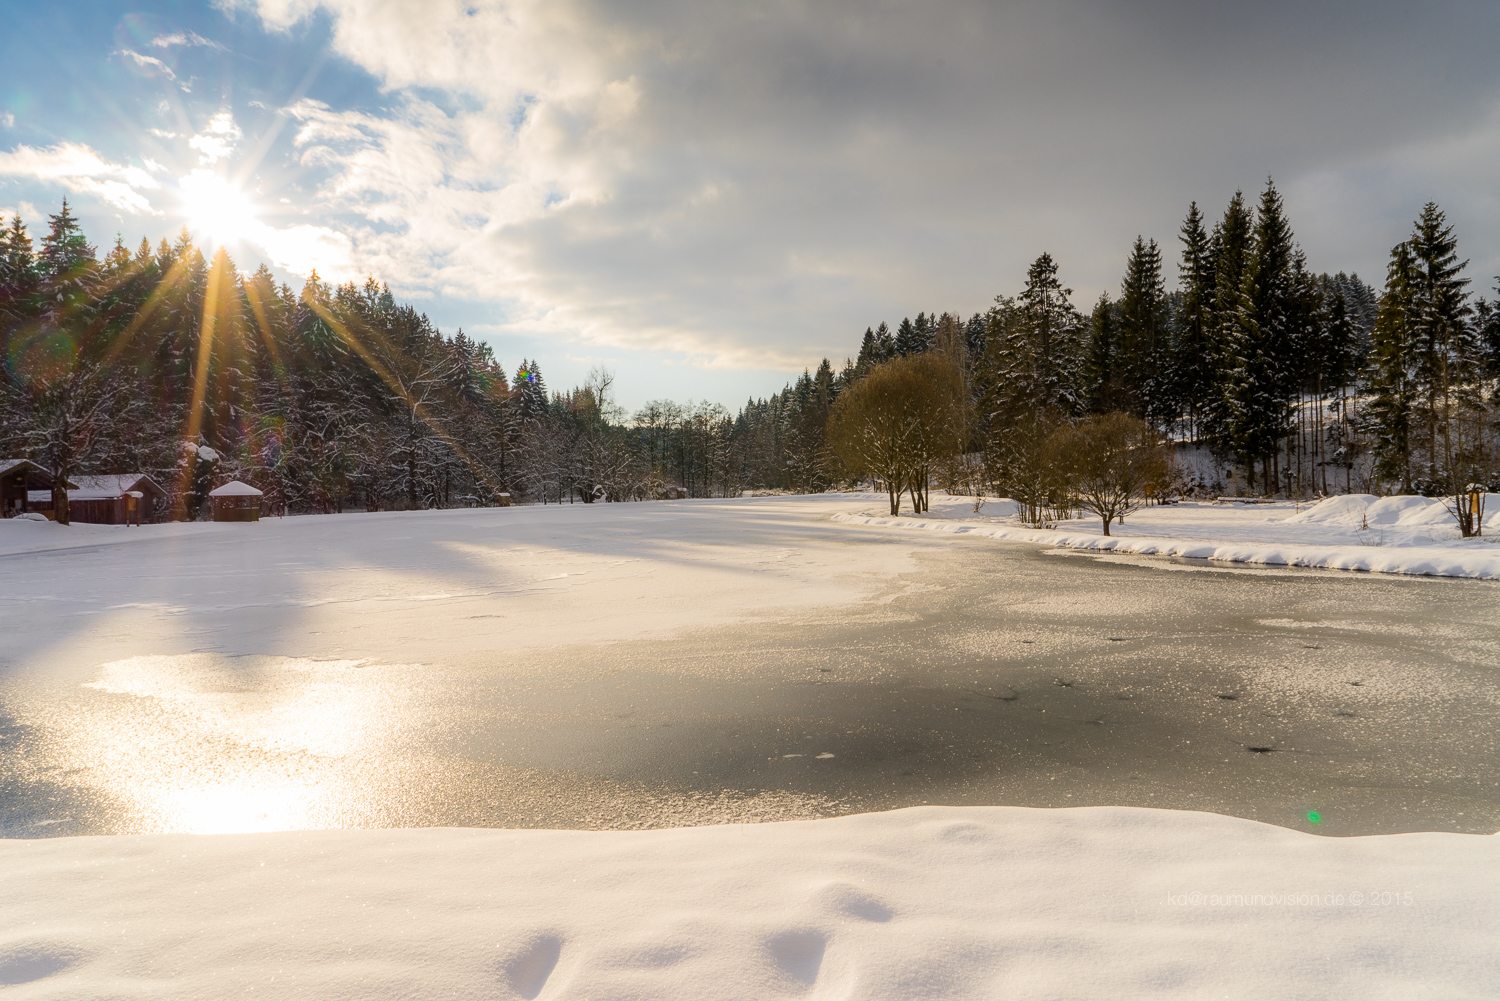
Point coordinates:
[(694, 662)]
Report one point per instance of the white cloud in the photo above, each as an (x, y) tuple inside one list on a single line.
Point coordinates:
[(80, 169), (216, 142), (188, 38), (7, 120), (149, 62), (277, 14), (300, 249), (750, 185)]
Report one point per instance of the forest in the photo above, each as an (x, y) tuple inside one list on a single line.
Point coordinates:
[(331, 398)]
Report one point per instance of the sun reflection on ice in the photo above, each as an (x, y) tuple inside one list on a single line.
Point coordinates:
[(203, 743), (236, 809)]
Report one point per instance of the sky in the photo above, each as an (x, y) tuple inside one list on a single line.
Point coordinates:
[(708, 197)]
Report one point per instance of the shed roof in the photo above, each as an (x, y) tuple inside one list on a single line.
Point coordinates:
[(113, 485), (6, 465), (234, 488)]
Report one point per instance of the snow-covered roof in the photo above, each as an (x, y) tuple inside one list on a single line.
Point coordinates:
[(83, 492), (6, 465), (109, 486), (234, 488)]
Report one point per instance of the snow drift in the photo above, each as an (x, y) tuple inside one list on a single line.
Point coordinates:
[(1355, 510), (977, 902)]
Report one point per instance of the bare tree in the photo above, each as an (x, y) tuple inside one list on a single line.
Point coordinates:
[(898, 422), (1111, 462)]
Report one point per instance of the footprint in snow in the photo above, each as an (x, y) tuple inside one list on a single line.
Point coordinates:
[(28, 962), (799, 954), (850, 901), (530, 967)]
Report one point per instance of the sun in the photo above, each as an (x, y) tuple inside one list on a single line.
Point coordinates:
[(217, 211)]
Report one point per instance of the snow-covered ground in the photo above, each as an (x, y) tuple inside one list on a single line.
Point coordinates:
[(953, 902), (931, 902), (1407, 535)]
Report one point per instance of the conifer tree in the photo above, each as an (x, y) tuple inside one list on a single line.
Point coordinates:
[(1193, 355), (531, 389), (1487, 323), (1143, 321), (1102, 390), (911, 338), (867, 354), (1260, 338), (1229, 249), (1035, 352), (1443, 341), (1391, 376), (974, 333)]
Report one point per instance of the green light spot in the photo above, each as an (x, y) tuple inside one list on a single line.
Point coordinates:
[(1314, 817)]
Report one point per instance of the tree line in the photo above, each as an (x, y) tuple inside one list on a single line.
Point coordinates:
[(338, 397), (1304, 383)]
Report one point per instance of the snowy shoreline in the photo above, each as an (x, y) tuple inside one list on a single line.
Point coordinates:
[(953, 902), (1271, 534)]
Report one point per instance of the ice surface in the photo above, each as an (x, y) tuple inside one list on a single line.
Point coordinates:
[(952, 902)]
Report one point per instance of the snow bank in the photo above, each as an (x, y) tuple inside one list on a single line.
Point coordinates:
[(952, 902), (1349, 510), (1475, 559), (1356, 510), (28, 534)]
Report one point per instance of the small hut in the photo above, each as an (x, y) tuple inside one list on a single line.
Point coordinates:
[(24, 487), (236, 501), (116, 499)]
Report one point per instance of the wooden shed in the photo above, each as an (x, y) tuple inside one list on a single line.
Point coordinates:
[(236, 501), (116, 499), (24, 487)]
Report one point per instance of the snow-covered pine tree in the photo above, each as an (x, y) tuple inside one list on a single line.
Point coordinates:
[(1487, 323), (1035, 353), (974, 333), (1445, 349), (1390, 377), (1259, 341), (1451, 415), (1101, 386), (1230, 249), (885, 343), (69, 400), (911, 339), (1194, 355), (1143, 327)]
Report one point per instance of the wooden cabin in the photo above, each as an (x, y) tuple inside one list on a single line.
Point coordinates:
[(24, 487), (117, 499), (236, 501)]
